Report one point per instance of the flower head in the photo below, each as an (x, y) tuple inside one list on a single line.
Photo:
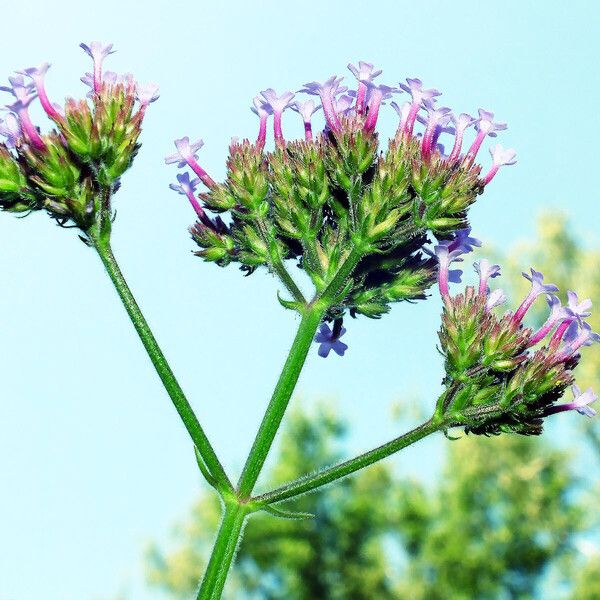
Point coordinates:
[(538, 287), (581, 403), (461, 123), (486, 124), (437, 118), (537, 283), (305, 109), (327, 91), (500, 157), (580, 310), (98, 52), (23, 92), (486, 271), (185, 186), (261, 107), (185, 152), (365, 72), (10, 129), (277, 103), (495, 298), (415, 88), (330, 340), (146, 93)]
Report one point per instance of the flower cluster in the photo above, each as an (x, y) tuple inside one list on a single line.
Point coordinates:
[(500, 374), (316, 199), (72, 170)]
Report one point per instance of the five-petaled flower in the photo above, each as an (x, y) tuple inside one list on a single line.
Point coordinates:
[(330, 340)]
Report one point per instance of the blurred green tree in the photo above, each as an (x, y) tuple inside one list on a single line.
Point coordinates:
[(502, 512)]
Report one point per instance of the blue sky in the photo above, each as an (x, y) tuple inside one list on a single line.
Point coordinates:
[(93, 461)]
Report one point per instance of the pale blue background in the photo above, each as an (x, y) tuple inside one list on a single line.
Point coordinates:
[(93, 460)]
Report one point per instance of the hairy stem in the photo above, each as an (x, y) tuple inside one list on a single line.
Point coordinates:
[(287, 280), (310, 483), (279, 400), (228, 538), (203, 446)]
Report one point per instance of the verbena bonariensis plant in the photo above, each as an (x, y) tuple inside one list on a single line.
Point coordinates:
[(369, 227)]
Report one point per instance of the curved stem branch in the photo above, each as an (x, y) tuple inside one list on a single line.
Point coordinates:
[(203, 445), (310, 483)]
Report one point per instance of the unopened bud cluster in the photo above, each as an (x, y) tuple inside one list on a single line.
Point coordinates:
[(501, 375), (315, 200), (72, 170)]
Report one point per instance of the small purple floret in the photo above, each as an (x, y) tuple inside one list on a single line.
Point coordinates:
[(328, 342)]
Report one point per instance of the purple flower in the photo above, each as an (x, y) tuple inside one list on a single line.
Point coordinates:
[(415, 88), (377, 93), (37, 75), (187, 154), (328, 341), (581, 310), (10, 129), (484, 126), (342, 104), (23, 92), (278, 104), (185, 151), (437, 119), (486, 123), (537, 283), (461, 124), (450, 251), (260, 107), (446, 256), (500, 157), (98, 53), (464, 240), (24, 95), (559, 314), (403, 112), (365, 71), (185, 185), (305, 109), (327, 91), (537, 287), (495, 298), (365, 74), (146, 93), (486, 271), (263, 110), (581, 403)]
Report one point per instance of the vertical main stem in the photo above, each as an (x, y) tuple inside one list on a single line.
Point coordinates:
[(228, 538), (279, 400), (162, 367)]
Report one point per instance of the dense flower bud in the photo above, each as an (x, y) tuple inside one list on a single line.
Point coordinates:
[(494, 383), (71, 172), (314, 200)]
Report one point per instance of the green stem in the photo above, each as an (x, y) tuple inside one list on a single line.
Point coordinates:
[(287, 280), (310, 483), (341, 277), (228, 538), (280, 399), (161, 365)]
